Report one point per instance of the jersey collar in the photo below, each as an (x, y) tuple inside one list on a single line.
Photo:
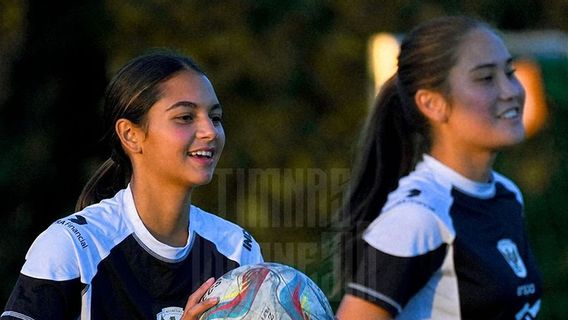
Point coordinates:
[(152, 245), (449, 177)]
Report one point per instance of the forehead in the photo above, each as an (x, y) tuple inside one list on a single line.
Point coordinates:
[(481, 46), (188, 86)]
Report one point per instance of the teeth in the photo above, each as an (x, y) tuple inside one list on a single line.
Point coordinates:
[(509, 114), (201, 153)]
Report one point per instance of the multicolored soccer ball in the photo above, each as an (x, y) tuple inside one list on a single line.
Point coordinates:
[(267, 291)]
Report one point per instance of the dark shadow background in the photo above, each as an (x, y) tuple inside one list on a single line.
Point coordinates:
[(292, 76)]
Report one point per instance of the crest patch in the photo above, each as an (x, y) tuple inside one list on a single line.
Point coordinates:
[(170, 313), (511, 254)]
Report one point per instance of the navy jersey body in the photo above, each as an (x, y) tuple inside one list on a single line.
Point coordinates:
[(102, 263), (446, 247)]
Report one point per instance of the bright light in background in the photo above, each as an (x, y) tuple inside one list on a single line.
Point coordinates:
[(536, 112), (383, 53)]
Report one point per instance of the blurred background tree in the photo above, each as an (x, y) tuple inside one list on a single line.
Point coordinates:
[(292, 76)]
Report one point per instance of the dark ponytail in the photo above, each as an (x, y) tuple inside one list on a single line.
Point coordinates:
[(130, 95), (388, 150), (105, 182), (386, 153)]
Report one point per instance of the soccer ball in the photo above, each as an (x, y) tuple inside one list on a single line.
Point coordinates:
[(267, 291)]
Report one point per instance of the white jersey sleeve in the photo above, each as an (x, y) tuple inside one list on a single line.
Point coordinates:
[(406, 230), (52, 256), (230, 239), (49, 285)]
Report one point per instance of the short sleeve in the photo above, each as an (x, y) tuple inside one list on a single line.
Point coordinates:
[(400, 252), (234, 242), (52, 256), (49, 285), (406, 230), (34, 298)]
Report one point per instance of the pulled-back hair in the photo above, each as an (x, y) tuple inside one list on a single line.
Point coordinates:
[(131, 93), (396, 133)]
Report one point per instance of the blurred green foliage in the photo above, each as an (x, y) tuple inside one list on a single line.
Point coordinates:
[(292, 77)]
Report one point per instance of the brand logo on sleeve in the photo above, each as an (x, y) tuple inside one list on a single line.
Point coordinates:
[(78, 219), (511, 254), (413, 193), (170, 313)]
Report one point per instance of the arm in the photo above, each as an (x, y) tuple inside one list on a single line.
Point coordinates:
[(49, 285), (397, 256), (355, 308), (44, 299)]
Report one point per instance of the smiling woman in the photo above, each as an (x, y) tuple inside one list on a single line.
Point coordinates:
[(136, 248), (432, 231)]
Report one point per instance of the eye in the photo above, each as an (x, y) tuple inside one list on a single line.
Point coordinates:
[(510, 73), (216, 118), (186, 117), (485, 78)]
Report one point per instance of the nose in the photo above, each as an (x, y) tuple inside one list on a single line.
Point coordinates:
[(511, 88), (206, 129)]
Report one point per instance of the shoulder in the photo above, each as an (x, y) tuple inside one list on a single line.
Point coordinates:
[(421, 188), (52, 254), (508, 185), (408, 230), (415, 218), (230, 239), (76, 243)]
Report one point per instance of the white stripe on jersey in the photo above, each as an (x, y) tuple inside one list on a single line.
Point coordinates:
[(375, 294), (16, 315)]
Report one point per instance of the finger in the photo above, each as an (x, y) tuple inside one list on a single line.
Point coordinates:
[(197, 294), (195, 311)]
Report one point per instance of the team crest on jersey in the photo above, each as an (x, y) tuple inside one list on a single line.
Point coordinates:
[(171, 313), (511, 254)]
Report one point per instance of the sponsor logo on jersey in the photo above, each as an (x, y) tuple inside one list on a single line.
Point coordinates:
[(526, 290), (247, 241), (70, 224), (528, 312), (511, 254), (170, 313)]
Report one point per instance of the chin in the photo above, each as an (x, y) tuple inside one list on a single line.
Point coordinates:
[(510, 142), (201, 181), (512, 136), (519, 136)]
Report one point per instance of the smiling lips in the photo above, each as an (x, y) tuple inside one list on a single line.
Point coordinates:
[(201, 153), (203, 156), (511, 113)]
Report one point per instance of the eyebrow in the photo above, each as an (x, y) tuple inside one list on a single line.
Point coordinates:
[(491, 65), (192, 105)]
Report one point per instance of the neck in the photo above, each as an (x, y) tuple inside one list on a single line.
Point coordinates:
[(476, 166), (164, 210)]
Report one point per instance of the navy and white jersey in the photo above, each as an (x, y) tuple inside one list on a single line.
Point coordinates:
[(446, 247), (102, 263)]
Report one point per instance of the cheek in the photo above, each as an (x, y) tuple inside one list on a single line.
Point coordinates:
[(522, 92), (176, 140), (221, 137), (478, 104), (182, 133)]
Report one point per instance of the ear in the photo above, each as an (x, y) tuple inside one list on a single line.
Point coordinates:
[(432, 104), (130, 135)]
